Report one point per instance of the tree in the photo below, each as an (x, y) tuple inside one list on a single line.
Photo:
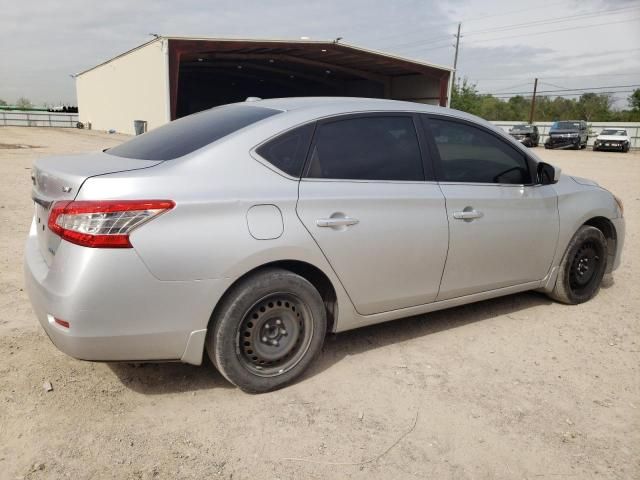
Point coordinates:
[(2, 103), (592, 106), (465, 97), (634, 100), (24, 103)]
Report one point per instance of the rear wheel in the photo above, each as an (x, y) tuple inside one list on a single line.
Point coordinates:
[(267, 330), (582, 268)]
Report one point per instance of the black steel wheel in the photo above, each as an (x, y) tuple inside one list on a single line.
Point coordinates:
[(585, 266), (274, 334), (266, 330), (582, 268)]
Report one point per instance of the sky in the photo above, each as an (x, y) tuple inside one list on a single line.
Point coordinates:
[(505, 44)]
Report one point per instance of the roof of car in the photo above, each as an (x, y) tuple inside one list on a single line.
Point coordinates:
[(346, 103)]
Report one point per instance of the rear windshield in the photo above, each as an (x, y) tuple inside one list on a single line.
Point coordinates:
[(190, 133)]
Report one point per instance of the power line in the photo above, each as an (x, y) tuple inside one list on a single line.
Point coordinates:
[(568, 18), (565, 19), (564, 90), (509, 79), (542, 75), (553, 85), (557, 30), (511, 12), (558, 95), (517, 86)]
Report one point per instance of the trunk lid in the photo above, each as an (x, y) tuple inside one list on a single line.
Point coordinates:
[(61, 177)]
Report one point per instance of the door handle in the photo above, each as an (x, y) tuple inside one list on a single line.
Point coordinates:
[(336, 222), (467, 215)]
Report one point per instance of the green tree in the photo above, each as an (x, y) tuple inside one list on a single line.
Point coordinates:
[(593, 106), (634, 100), (2, 103), (465, 97), (24, 103)]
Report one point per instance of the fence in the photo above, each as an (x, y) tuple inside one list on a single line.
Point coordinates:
[(37, 119), (632, 128)]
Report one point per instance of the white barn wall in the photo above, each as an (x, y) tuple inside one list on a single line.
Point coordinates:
[(131, 87), (417, 88)]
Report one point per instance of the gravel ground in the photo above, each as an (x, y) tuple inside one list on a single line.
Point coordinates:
[(512, 388)]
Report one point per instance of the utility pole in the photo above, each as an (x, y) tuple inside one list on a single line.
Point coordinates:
[(533, 101), (455, 60)]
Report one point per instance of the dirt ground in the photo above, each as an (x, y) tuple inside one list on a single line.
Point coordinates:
[(513, 388)]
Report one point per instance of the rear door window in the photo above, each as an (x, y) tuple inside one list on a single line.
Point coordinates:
[(367, 148), (188, 134), (288, 151)]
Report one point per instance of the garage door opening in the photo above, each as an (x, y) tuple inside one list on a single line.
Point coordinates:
[(208, 73)]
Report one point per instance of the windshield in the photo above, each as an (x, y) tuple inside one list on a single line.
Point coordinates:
[(566, 126), (188, 134), (522, 128), (613, 132)]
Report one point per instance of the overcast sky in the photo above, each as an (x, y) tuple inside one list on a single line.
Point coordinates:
[(575, 44)]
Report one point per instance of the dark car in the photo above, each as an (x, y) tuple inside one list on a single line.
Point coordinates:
[(526, 134), (568, 134)]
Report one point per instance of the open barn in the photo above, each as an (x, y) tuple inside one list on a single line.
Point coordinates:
[(171, 77)]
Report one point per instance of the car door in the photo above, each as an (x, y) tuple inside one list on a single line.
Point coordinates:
[(365, 201), (503, 226)]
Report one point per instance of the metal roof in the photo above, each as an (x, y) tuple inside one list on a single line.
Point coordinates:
[(330, 53)]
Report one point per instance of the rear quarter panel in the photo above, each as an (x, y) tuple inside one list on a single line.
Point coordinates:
[(206, 235)]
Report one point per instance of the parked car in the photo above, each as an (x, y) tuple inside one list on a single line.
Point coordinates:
[(251, 230), (568, 134), (612, 139), (526, 134)]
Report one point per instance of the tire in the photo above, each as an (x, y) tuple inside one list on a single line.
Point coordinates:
[(582, 267), (267, 330), (625, 149)]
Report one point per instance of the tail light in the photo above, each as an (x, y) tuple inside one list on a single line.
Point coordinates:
[(103, 224)]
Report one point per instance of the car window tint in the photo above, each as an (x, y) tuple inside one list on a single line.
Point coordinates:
[(470, 154), (289, 150), (190, 133), (367, 148)]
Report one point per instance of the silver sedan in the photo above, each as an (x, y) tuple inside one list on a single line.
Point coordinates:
[(251, 230)]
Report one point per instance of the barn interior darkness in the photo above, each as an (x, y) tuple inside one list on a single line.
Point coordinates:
[(205, 74), (204, 84)]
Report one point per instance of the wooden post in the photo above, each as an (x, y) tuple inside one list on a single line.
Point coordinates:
[(533, 101)]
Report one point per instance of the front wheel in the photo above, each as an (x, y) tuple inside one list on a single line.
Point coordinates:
[(582, 268), (267, 330)]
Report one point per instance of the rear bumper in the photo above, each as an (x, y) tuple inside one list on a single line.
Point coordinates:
[(116, 309)]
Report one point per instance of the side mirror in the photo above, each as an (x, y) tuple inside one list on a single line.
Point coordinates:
[(548, 174)]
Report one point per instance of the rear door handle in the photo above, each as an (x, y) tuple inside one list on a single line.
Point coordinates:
[(336, 222), (467, 215)]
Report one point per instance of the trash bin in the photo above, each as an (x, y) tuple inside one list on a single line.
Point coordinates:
[(140, 126)]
